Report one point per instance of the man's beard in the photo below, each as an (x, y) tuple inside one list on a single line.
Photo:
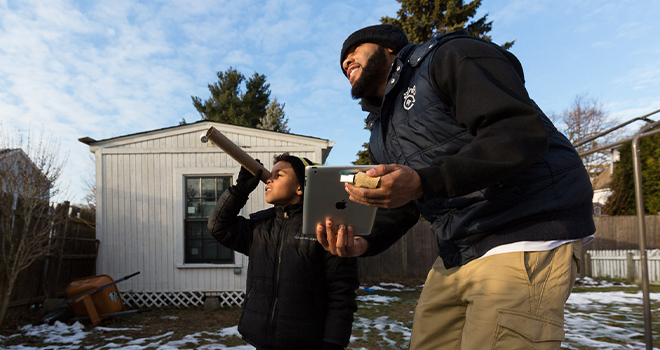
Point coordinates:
[(374, 73)]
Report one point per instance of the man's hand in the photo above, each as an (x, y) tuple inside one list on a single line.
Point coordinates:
[(399, 185), (340, 240)]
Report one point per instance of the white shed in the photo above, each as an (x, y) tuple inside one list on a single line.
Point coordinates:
[(154, 190)]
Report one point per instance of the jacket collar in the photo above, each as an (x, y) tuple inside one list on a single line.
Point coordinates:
[(288, 211)]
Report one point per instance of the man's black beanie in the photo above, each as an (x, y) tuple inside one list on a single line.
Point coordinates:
[(385, 35)]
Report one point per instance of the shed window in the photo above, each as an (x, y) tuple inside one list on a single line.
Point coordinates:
[(202, 193)]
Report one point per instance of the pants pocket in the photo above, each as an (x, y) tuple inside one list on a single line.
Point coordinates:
[(522, 331), (577, 254)]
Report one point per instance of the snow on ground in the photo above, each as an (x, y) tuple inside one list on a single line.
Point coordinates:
[(590, 282), (606, 320), (596, 320), (71, 336), (383, 326)]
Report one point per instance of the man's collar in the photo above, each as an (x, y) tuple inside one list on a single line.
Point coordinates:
[(371, 104)]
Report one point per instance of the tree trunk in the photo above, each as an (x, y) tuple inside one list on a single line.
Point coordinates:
[(6, 288)]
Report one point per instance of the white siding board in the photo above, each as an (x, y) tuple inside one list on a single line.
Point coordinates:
[(132, 236), (176, 209), (102, 266), (106, 239), (141, 207), (170, 226), (100, 198), (152, 223), (112, 235), (144, 218), (243, 140), (162, 234), (158, 222), (121, 220)]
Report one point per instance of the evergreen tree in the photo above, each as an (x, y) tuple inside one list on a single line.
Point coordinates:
[(274, 118), (422, 19), (256, 99), (229, 104), (363, 156), (622, 200)]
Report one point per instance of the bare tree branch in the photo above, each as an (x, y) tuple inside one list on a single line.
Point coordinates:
[(583, 119), (30, 167)]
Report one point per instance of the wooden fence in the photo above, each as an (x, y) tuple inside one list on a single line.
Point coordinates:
[(74, 257), (622, 233), (410, 257), (414, 254)]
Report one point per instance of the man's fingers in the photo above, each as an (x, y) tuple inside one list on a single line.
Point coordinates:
[(349, 238), (341, 237), (380, 170)]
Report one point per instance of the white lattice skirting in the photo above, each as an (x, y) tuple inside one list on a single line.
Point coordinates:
[(179, 299)]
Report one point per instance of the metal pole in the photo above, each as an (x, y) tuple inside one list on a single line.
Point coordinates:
[(644, 118), (639, 200)]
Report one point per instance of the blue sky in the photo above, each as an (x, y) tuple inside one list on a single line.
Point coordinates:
[(109, 68)]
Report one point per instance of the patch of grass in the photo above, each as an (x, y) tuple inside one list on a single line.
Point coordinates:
[(396, 319)]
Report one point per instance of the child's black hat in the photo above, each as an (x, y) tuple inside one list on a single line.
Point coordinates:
[(298, 164)]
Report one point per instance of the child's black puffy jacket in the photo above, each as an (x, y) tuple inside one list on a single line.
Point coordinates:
[(298, 295)]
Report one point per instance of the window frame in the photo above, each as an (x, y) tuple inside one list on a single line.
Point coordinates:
[(180, 176), (202, 205)]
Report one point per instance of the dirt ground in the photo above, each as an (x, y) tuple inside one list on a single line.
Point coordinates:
[(184, 322)]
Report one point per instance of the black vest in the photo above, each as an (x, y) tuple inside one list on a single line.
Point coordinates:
[(549, 200)]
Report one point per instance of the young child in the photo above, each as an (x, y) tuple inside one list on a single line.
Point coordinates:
[(299, 296)]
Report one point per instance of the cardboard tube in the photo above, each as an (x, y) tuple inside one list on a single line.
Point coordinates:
[(237, 153), (362, 180)]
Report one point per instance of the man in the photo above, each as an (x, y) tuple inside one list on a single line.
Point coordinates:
[(460, 142)]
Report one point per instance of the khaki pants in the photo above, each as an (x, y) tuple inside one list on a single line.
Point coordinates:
[(504, 301)]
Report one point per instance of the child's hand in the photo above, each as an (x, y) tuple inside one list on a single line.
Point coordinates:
[(246, 182)]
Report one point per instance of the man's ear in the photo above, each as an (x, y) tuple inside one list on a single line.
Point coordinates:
[(390, 53), (299, 191)]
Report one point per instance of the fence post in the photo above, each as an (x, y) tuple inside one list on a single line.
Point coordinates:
[(587, 265), (630, 267)]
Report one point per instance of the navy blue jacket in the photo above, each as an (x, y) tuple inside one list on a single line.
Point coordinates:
[(493, 167)]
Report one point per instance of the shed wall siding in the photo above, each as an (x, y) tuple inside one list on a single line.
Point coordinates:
[(140, 223)]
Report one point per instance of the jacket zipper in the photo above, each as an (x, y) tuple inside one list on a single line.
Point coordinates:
[(280, 247)]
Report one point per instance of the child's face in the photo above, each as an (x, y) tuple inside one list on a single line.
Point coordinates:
[(282, 187)]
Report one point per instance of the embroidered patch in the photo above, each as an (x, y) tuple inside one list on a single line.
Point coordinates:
[(409, 98)]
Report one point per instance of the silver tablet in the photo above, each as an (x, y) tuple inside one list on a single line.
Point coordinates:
[(325, 196)]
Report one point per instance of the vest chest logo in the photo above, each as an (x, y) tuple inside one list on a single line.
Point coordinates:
[(409, 98)]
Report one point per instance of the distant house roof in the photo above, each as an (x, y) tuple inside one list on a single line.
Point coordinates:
[(89, 140), (15, 159), (602, 181), (324, 145), (7, 151)]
